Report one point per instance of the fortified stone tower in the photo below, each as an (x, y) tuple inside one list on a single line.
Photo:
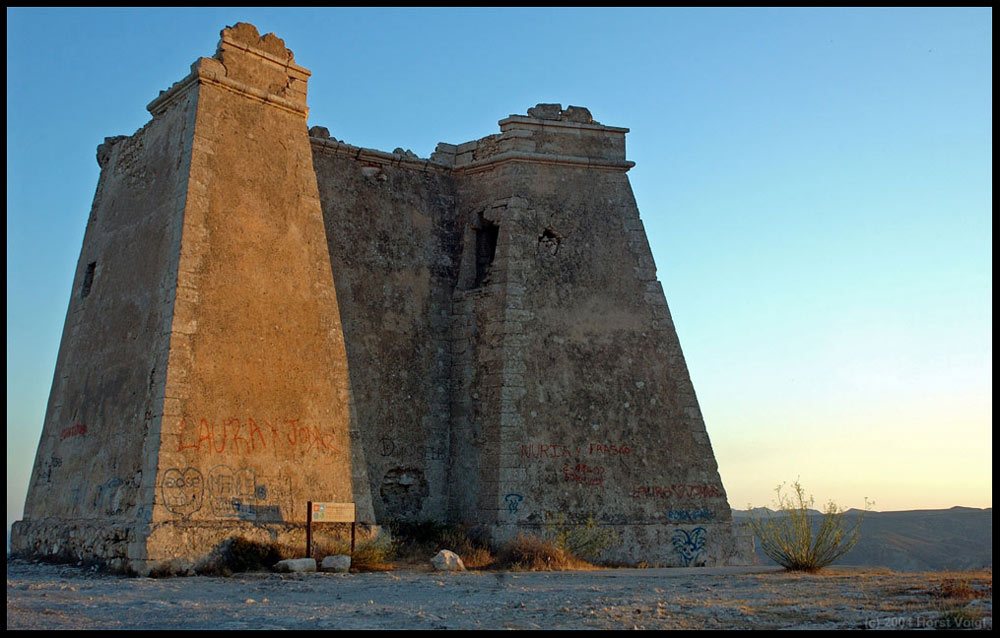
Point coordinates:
[(477, 337)]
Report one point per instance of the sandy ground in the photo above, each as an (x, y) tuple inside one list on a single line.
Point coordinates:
[(42, 596)]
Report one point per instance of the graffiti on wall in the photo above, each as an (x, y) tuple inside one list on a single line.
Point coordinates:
[(229, 493), (74, 430), (513, 501), (389, 447), (690, 516), (112, 497), (240, 493), (252, 436), (535, 451), (584, 474), (182, 490), (578, 466), (699, 491), (690, 546), (46, 467)]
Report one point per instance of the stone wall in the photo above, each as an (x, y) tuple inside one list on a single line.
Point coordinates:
[(392, 243)]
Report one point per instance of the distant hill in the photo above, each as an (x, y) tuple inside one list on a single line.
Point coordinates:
[(917, 540)]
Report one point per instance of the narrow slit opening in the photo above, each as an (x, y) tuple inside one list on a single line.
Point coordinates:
[(88, 279)]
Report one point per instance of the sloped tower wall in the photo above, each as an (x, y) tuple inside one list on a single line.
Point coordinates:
[(570, 386), (208, 371), (94, 480)]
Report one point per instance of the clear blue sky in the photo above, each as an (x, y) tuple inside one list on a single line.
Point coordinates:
[(816, 186)]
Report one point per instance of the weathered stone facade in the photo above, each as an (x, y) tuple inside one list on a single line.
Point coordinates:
[(264, 315)]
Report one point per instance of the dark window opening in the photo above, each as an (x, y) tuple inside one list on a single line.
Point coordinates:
[(486, 249), (88, 279)]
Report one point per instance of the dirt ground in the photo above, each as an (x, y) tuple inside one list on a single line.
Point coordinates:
[(44, 596)]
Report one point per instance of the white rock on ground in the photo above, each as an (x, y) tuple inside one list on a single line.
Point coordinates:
[(446, 560), (338, 563), (296, 565)]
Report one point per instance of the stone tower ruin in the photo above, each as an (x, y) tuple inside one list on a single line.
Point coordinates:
[(263, 315)]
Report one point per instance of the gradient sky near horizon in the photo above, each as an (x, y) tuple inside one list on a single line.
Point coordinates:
[(816, 185)]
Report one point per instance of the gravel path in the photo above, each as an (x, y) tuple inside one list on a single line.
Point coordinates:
[(42, 596)]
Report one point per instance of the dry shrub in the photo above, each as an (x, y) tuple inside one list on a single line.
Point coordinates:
[(534, 553), (370, 556), (790, 538), (561, 546), (473, 550), (587, 541), (963, 589), (420, 540), (477, 558), (373, 556)]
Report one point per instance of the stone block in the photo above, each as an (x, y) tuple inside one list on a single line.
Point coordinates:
[(340, 563), (545, 111), (447, 561), (295, 565)]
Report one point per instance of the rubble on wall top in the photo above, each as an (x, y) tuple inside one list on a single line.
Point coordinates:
[(247, 34), (321, 132), (556, 112)]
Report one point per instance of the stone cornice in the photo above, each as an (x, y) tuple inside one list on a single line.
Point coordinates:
[(373, 156), (211, 72), (522, 121), (545, 159)]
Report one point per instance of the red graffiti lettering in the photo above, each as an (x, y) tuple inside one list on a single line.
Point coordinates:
[(249, 437), (676, 491), (75, 430), (255, 431), (274, 434), (237, 439), (608, 449), (292, 433)]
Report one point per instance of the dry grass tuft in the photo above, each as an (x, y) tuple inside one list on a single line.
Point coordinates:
[(372, 556), (477, 558), (527, 552), (963, 589), (417, 542)]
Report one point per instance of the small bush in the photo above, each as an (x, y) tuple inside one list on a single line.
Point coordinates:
[(790, 538), (371, 556), (421, 540), (962, 589), (588, 541), (477, 558), (532, 553)]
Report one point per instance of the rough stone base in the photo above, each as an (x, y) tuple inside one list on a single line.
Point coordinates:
[(111, 544), (166, 548), (653, 545)]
